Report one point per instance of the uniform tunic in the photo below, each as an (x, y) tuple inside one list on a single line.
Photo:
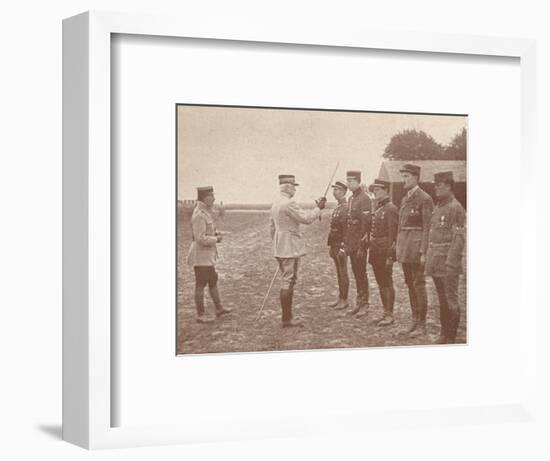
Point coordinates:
[(203, 250), (383, 231), (338, 225), (446, 239), (359, 210), (288, 243), (414, 224), (286, 217)]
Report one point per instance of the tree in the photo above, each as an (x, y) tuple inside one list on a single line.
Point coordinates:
[(456, 150), (413, 145)]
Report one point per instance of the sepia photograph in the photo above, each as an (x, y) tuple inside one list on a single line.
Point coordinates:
[(308, 229)]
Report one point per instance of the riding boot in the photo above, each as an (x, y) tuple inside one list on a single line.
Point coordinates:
[(286, 305), (199, 304), (414, 316), (388, 308), (215, 295), (357, 308), (384, 299)]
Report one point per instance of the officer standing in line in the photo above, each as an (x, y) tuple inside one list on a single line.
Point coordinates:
[(338, 224), (445, 249), (356, 240), (203, 253), (382, 247), (412, 244), (288, 244)]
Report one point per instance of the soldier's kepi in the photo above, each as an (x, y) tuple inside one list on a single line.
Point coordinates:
[(335, 241), (412, 243), (445, 249), (356, 239), (382, 247), (203, 253), (288, 243)]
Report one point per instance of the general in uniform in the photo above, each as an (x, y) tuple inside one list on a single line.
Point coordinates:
[(382, 246), (356, 239), (335, 241), (203, 253), (445, 250), (288, 243), (412, 244)]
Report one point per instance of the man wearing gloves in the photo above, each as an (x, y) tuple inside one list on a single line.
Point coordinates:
[(288, 243)]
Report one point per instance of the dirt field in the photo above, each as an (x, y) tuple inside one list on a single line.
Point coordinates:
[(245, 268)]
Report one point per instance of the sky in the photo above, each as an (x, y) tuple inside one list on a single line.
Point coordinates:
[(241, 151)]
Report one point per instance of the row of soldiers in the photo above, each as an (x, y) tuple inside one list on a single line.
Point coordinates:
[(426, 240)]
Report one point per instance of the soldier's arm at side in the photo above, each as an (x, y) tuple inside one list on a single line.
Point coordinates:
[(199, 233), (398, 215), (366, 219), (393, 224), (427, 210), (272, 228), (302, 216), (454, 257)]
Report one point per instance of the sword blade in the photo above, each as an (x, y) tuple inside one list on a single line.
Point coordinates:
[(331, 178)]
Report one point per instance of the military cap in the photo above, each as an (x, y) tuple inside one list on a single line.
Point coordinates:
[(354, 175), (380, 183), (341, 185), (412, 169), (204, 191), (287, 179), (444, 176)]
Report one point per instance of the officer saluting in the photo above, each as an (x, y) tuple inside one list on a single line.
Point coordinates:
[(444, 258), (412, 243), (356, 240), (203, 253), (288, 243), (337, 233), (382, 246)]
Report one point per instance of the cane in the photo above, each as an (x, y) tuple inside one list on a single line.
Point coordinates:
[(267, 294)]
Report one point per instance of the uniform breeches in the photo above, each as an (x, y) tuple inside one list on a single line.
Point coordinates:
[(449, 310), (382, 272), (416, 283), (205, 275), (384, 278), (359, 267), (289, 272), (341, 262)]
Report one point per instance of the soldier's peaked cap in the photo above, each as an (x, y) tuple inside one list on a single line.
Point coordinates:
[(353, 174), (341, 185), (380, 183), (444, 176), (410, 168), (287, 179), (203, 191)]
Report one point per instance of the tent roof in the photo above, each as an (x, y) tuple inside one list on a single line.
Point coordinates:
[(389, 170)]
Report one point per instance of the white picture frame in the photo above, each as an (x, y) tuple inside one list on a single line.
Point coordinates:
[(87, 364)]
